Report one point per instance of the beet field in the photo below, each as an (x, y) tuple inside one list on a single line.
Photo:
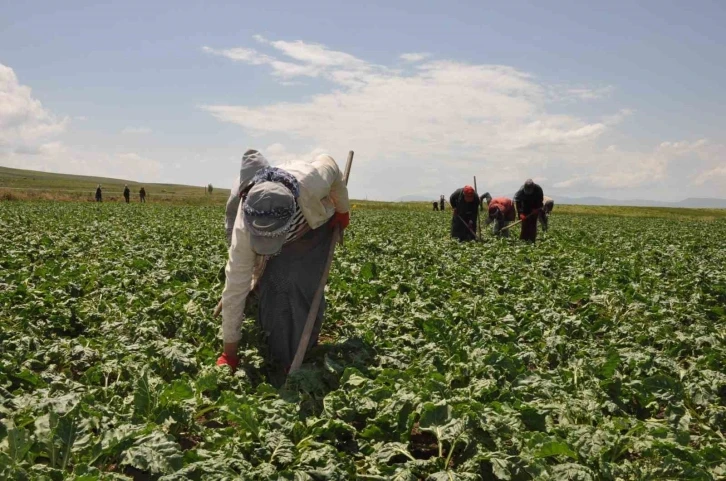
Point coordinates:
[(599, 353)]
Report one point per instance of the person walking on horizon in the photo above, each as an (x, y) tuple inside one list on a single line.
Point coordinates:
[(98, 193), (142, 195), (127, 193)]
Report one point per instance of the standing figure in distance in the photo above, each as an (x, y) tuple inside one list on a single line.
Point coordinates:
[(442, 203), (98, 193), (127, 193), (529, 199), (465, 204), (501, 212), (544, 213), (142, 195)]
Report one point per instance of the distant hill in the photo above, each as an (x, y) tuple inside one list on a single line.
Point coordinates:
[(416, 198), (29, 180), (691, 202)]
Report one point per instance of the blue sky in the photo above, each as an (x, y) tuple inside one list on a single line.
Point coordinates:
[(617, 99)]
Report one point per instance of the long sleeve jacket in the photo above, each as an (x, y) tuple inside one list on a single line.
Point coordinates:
[(526, 203), (505, 206), (322, 194), (467, 210)]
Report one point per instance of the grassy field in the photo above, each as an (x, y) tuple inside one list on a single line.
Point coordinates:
[(613, 211), (16, 184), (596, 354)]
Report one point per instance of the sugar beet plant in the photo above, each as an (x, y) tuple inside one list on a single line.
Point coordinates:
[(596, 354)]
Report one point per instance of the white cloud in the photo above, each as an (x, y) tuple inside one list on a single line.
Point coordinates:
[(24, 123), (414, 56), (465, 118), (488, 117), (590, 93), (715, 175), (247, 55), (56, 157), (613, 168), (29, 140), (277, 153), (310, 60), (136, 130)]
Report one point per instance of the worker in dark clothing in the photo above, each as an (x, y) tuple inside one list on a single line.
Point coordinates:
[(484, 199), (98, 193), (545, 211), (465, 204), (442, 203), (127, 193), (529, 200), (436, 206), (142, 195)]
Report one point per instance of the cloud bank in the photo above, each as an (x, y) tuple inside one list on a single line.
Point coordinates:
[(440, 121), (29, 139)]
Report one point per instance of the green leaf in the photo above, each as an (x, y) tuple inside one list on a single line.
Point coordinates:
[(145, 398), (388, 452), (611, 364), (242, 414), (155, 453), (282, 451), (555, 448), (19, 443)]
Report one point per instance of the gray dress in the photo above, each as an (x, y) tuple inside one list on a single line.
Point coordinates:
[(286, 291)]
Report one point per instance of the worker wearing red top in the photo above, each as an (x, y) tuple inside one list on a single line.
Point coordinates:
[(465, 205), (501, 212)]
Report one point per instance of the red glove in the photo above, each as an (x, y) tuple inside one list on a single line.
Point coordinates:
[(341, 220), (225, 360), (522, 216)]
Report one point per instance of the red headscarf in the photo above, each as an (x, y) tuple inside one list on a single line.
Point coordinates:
[(469, 193)]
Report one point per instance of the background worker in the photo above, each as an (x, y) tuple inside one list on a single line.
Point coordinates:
[(442, 202), (436, 206), (127, 193), (98, 193), (142, 195), (501, 213), (288, 217), (529, 199), (484, 200), (464, 203), (544, 213)]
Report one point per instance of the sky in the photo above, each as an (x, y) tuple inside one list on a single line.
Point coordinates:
[(625, 100)]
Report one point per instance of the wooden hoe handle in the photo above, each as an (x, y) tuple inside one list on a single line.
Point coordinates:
[(315, 306)]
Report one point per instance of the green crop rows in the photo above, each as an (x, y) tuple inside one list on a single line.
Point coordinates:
[(597, 354)]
